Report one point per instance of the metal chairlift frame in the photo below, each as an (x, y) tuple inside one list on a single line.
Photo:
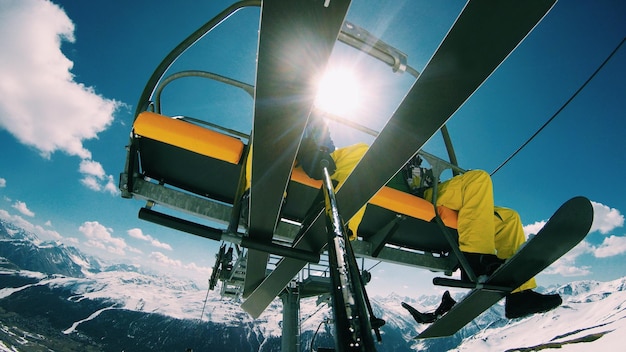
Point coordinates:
[(133, 184)]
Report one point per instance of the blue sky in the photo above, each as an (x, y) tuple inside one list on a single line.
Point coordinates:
[(72, 72)]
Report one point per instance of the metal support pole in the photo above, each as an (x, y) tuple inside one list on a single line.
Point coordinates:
[(353, 331), (290, 340)]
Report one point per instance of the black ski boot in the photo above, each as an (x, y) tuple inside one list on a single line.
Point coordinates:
[(527, 302), (447, 302), (422, 318)]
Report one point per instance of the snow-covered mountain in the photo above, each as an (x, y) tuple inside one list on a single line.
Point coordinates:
[(27, 251), (53, 297), (592, 318)]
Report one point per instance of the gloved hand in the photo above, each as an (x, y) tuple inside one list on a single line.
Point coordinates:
[(310, 157)]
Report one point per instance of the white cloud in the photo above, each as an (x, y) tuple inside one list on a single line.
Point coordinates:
[(110, 186), (533, 228), (92, 168), (566, 266), (95, 178), (22, 208), (162, 259), (567, 270), (605, 219), (201, 269), (91, 183), (135, 250), (138, 234), (72, 240), (30, 227), (583, 247), (3, 182), (40, 102), (611, 246), (99, 236)]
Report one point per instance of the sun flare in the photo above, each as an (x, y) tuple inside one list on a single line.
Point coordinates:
[(338, 92)]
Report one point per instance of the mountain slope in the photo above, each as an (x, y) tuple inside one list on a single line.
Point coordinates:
[(591, 318), (61, 300)]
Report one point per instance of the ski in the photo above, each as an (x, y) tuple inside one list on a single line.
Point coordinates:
[(295, 41)]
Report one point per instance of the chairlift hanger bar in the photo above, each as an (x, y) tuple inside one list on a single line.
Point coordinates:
[(362, 40), (350, 34), (144, 100), (484, 34), (198, 73)]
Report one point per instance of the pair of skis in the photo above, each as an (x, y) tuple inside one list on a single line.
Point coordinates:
[(484, 34)]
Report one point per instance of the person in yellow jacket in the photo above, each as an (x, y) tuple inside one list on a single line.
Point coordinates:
[(488, 234)]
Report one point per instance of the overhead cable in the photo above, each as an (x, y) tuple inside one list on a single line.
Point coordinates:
[(562, 107)]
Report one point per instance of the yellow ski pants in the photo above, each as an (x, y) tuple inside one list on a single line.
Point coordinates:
[(482, 227)]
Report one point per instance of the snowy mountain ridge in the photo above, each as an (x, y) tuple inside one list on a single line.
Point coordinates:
[(591, 317)]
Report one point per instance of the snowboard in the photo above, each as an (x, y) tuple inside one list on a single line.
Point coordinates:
[(566, 228)]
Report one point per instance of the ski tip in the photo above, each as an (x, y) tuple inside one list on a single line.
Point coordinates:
[(575, 217), (582, 205), (580, 200)]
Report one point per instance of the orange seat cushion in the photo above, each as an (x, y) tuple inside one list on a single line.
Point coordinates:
[(219, 146), (188, 136), (393, 200)]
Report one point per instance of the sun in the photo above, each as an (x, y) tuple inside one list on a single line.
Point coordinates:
[(338, 92)]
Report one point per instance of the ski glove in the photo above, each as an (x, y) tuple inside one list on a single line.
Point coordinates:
[(310, 157)]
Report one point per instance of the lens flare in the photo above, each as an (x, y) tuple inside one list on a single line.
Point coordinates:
[(338, 92)]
